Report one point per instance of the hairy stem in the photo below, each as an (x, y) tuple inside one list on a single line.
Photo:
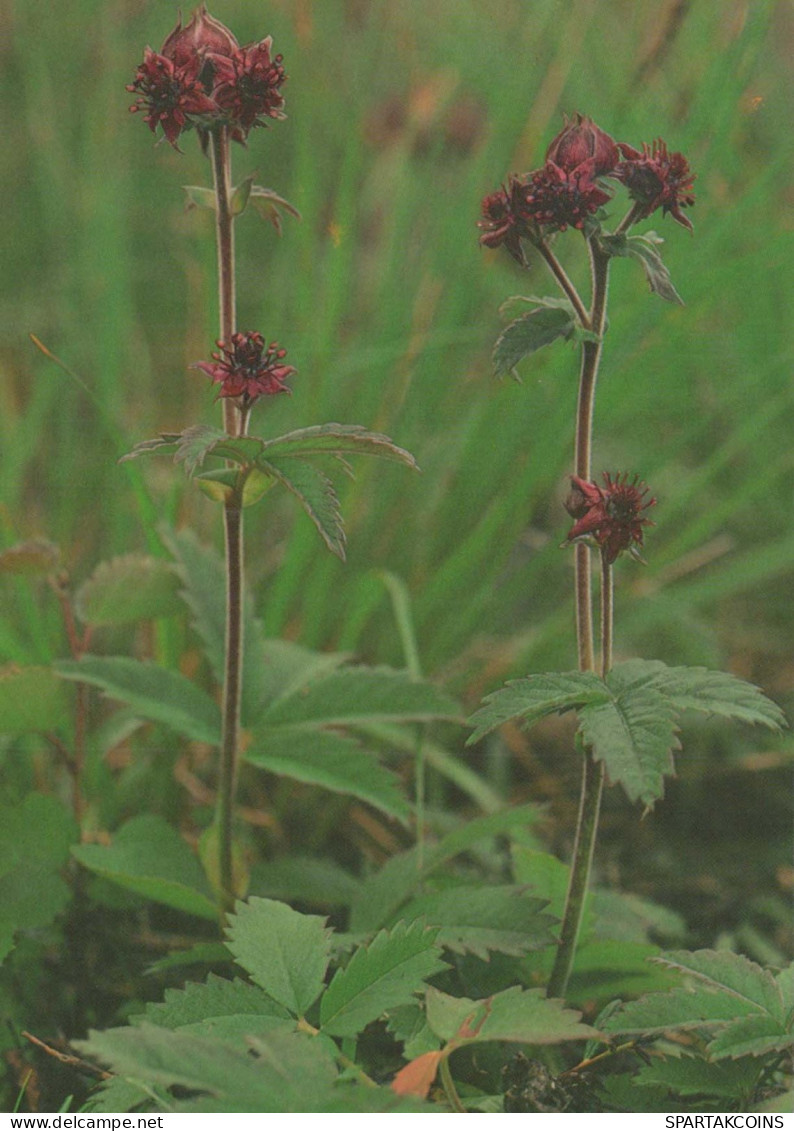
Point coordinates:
[(234, 421), (592, 775)]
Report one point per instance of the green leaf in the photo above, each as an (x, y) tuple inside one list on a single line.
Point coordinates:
[(279, 1071), (126, 589), (381, 975), (728, 992), (240, 195), (285, 953), (32, 700), (164, 444), (190, 447), (362, 695), (385, 892), (196, 196), (35, 838), (634, 735), (336, 440), (329, 760), (30, 558), (217, 997), (477, 920), (527, 1016), (147, 856), (535, 697), (691, 1076), (554, 302), (159, 694), (529, 333), (307, 879), (316, 494), (699, 689), (643, 249), (268, 203)]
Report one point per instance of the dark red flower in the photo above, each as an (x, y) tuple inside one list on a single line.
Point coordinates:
[(580, 141), (610, 515), (202, 34), (171, 92), (559, 198), (246, 85), (246, 368), (502, 222), (656, 178)]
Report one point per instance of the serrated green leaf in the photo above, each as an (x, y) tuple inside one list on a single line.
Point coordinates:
[(535, 697), (337, 440), (478, 920), (634, 735), (35, 838), (529, 333), (280, 1071), (36, 556), (383, 894), (330, 760), (126, 589), (643, 249), (217, 997), (316, 494), (353, 695), (271, 668), (693, 1076), (267, 203), (557, 302), (515, 1014), (285, 953), (195, 444), (729, 992), (785, 983), (382, 974), (699, 689), (147, 856), (408, 1024), (164, 444), (32, 699), (730, 973), (159, 694)]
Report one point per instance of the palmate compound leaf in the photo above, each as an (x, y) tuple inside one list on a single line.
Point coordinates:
[(727, 993), (630, 720), (528, 333), (381, 975), (285, 953)]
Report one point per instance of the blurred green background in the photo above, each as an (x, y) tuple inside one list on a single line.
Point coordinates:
[(400, 118)]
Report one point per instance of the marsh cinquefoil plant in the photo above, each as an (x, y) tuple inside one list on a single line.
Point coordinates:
[(429, 988)]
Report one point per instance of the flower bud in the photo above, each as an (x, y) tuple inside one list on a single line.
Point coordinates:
[(582, 140), (202, 34)]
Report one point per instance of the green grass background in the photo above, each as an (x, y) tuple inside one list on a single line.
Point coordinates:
[(401, 117)]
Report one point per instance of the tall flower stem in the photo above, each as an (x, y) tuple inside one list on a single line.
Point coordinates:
[(592, 775), (235, 424)]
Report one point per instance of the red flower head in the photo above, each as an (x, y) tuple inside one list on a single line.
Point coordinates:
[(246, 85), (247, 368), (502, 222), (580, 141), (610, 515), (558, 198), (657, 179), (171, 92)]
